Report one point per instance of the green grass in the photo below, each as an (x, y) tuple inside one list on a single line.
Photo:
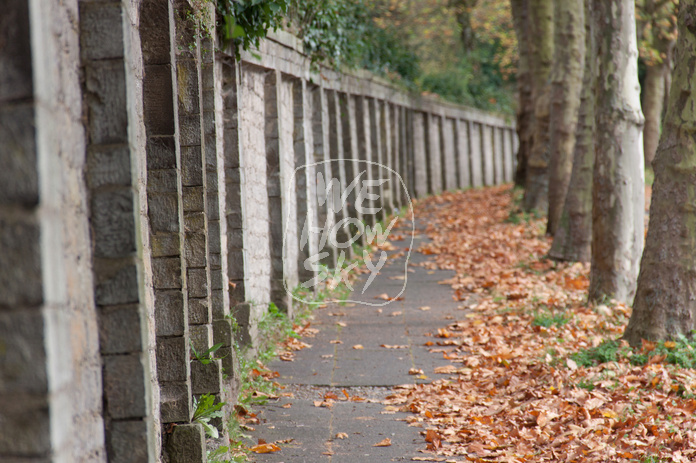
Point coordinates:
[(681, 353), (548, 319), (607, 351)]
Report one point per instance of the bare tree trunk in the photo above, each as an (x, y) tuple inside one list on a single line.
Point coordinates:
[(541, 36), (525, 108), (573, 238), (618, 184), (653, 98), (566, 86), (665, 303), (462, 10)]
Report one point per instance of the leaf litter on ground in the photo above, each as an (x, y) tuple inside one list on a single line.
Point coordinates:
[(538, 374)]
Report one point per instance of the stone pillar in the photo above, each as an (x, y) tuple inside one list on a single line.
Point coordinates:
[(498, 149), (353, 146), (366, 147), (337, 153), (462, 153), (420, 161), (395, 155), (515, 147), (51, 393), (164, 210), (116, 138), (322, 156), (190, 131), (386, 189), (450, 171), (476, 154), (280, 160), (305, 180), (507, 143), (434, 147), (254, 189), (406, 156), (232, 168), (487, 155), (346, 115)]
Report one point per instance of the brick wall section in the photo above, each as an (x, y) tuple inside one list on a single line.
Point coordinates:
[(115, 137), (50, 391)]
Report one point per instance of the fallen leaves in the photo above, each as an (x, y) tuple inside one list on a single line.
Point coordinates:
[(386, 442), (265, 448), (513, 394)]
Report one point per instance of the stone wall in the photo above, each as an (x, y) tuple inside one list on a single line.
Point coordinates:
[(156, 192)]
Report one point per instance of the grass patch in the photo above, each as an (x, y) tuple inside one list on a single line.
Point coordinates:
[(681, 353), (548, 319)]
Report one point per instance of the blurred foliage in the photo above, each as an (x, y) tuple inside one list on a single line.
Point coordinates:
[(414, 43), (657, 28)]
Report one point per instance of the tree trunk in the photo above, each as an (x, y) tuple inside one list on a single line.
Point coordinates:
[(657, 34), (462, 11), (653, 97), (525, 108), (665, 303), (618, 190), (573, 238), (541, 37), (566, 86)]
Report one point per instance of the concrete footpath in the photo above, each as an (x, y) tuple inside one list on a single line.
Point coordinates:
[(333, 365)]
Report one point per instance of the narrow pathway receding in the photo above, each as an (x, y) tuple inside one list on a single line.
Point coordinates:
[(369, 373)]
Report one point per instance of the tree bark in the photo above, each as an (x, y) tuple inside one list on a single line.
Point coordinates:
[(541, 37), (573, 238), (566, 86), (618, 182), (653, 98), (665, 303), (525, 108)]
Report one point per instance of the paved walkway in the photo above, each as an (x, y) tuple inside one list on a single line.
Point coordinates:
[(369, 373)]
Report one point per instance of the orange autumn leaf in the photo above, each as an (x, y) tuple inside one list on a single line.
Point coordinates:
[(383, 443), (265, 448)]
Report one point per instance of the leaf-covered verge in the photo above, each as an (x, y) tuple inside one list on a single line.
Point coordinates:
[(537, 374)]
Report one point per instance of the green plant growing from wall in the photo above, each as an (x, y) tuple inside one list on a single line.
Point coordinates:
[(205, 357), (205, 410)]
